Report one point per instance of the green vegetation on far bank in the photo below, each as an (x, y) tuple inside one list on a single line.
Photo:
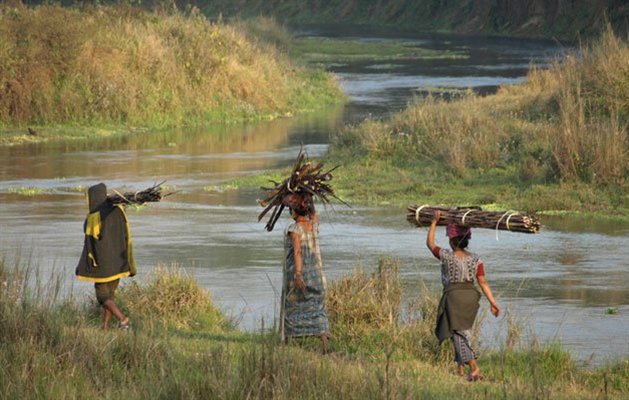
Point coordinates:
[(66, 70), (182, 346), (560, 141), (322, 50), (535, 18)]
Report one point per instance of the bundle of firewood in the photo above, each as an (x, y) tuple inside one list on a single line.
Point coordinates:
[(307, 179), (152, 194), (474, 217)]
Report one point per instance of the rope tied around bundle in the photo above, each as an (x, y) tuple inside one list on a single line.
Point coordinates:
[(465, 215), (417, 212)]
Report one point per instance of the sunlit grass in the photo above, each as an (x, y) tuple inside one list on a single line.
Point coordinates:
[(121, 68), (220, 188), (182, 346), (28, 191)]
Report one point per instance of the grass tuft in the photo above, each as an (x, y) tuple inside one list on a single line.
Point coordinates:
[(172, 297)]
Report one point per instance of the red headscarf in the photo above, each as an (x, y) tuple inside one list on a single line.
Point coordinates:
[(454, 230)]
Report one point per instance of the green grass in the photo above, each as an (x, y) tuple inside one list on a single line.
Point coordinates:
[(28, 191), (326, 51), (379, 181), (181, 346), (18, 135), (255, 181)]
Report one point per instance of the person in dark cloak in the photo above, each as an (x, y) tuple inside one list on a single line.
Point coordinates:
[(460, 300), (107, 252)]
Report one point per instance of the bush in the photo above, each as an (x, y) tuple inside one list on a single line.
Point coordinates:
[(172, 297)]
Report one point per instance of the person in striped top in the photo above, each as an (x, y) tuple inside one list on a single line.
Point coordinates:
[(460, 300)]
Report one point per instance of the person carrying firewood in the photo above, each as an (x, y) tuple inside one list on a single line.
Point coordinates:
[(460, 300), (107, 252), (303, 311)]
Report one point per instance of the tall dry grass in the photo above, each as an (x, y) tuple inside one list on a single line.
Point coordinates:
[(369, 316), (569, 123), (54, 349), (122, 65)]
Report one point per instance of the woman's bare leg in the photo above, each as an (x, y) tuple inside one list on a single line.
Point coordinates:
[(110, 306), (107, 316), (325, 343)]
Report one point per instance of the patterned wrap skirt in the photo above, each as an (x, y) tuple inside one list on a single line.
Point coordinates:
[(303, 313)]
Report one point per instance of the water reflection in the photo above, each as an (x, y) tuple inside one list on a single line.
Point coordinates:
[(180, 155)]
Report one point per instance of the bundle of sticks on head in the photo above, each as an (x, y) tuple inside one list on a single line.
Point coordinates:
[(306, 182), (473, 217), (152, 194)]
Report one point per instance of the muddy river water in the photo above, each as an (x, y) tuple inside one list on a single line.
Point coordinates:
[(558, 284)]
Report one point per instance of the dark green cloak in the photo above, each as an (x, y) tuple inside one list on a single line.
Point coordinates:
[(107, 251)]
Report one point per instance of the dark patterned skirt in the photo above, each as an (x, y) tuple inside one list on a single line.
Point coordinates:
[(303, 313)]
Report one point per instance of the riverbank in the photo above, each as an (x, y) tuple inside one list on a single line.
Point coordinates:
[(181, 346), (556, 142), (111, 70)]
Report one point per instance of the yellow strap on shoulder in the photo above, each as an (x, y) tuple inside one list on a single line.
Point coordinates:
[(131, 259), (93, 225)]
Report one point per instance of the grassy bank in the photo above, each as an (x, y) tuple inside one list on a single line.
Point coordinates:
[(125, 69), (557, 142), (181, 346), (325, 51)]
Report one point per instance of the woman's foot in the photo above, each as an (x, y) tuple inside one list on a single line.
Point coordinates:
[(475, 375), (124, 324), (460, 370), (325, 341)]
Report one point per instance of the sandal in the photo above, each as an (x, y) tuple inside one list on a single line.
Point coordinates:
[(122, 325), (474, 378)]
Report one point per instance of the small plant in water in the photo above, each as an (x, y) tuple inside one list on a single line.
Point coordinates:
[(220, 188), (28, 191), (611, 310), (78, 188)]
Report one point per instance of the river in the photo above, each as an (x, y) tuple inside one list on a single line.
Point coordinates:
[(558, 284)]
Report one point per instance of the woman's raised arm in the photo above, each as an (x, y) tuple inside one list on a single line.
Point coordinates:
[(430, 239)]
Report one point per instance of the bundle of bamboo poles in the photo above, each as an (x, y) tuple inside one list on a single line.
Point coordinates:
[(307, 179), (473, 217), (152, 194)]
